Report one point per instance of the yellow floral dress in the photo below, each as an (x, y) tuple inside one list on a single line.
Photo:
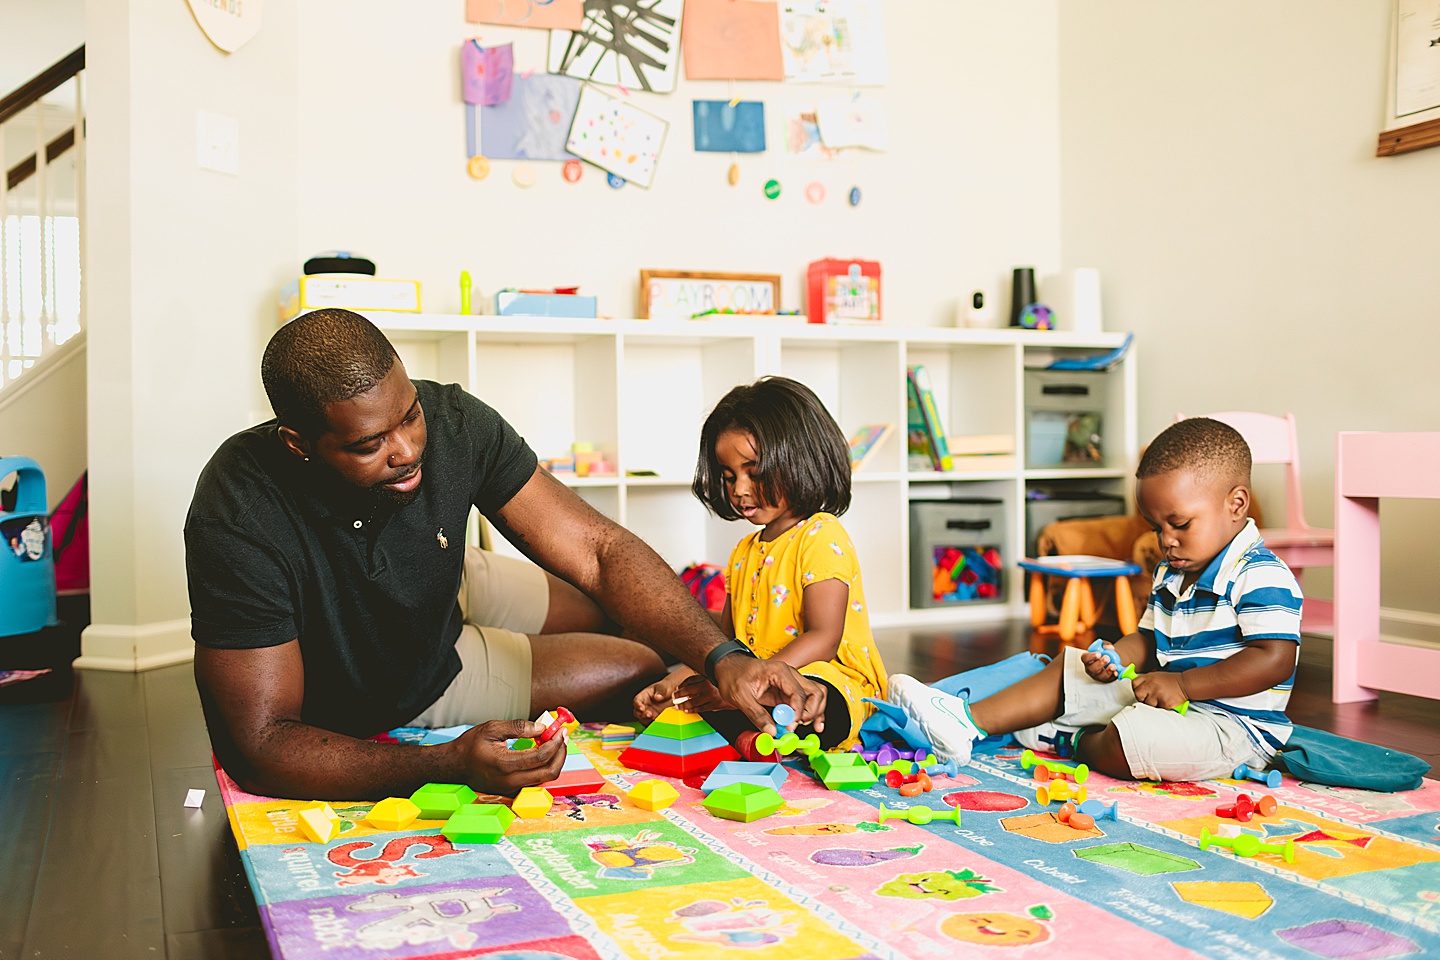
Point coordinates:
[(766, 582)]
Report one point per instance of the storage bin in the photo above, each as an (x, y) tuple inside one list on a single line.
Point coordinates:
[(956, 552), (1044, 507), (27, 569), (1065, 418)]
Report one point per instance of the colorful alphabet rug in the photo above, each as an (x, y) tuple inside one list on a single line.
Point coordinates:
[(600, 877)]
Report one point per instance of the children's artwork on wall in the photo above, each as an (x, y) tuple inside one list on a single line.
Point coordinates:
[(531, 125), (800, 132), (539, 14), (730, 40), (853, 122), (616, 136), (724, 128), (486, 73), (627, 43), (829, 41)]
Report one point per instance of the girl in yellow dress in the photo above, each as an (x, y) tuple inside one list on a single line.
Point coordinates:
[(770, 453)]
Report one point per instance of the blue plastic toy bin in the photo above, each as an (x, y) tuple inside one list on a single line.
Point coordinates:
[(27, 566)]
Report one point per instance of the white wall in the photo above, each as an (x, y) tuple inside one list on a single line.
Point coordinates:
[(969, 187), (1218, 166), (183, 267), (43, 417), (34, 34)]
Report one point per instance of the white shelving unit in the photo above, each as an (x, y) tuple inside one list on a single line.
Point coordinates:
[(640, 389)]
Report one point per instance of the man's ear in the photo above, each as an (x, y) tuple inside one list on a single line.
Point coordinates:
[(1238, 502), (295, 443)]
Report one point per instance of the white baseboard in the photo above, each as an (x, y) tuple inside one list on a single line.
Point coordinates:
[(130, 649), (1413, 628)]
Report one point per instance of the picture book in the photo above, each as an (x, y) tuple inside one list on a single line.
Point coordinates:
[(922, 397), (865, 441)]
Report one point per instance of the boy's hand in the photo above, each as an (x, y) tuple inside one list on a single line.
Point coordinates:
[(1160, 689), (1098, 666), (659, 695)]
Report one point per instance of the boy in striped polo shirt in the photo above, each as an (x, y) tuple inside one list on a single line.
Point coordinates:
[(1222, 631)]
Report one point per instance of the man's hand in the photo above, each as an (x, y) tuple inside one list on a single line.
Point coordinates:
[(754, 686), (1160, 689), (494, 768)]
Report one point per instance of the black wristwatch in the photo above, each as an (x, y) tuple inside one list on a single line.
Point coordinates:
[(722, 651)]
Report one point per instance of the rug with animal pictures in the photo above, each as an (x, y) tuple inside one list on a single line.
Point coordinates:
[(599, 877)]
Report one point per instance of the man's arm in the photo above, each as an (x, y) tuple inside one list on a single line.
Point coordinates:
[(568, 537), (252, 700)]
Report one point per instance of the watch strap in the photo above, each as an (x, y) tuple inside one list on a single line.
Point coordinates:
[(720, 652)]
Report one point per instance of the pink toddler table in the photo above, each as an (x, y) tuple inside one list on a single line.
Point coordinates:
[(1369, 466)]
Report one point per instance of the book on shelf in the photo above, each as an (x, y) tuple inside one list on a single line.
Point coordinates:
[(865, 441), (983, 463), (967, 444), (926, 434)]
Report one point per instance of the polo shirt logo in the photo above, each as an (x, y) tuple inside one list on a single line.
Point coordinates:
[(440, 536)]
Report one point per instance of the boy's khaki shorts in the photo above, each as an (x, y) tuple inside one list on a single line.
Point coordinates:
[(1159, 744), (503, 601)]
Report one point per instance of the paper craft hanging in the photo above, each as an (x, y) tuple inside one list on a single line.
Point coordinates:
[(853, 122), (531, 125), (627, 43), (800, 132), (732, 40), (486, 73), (540, 14), (722, 128), (616, 136), (829, 41)]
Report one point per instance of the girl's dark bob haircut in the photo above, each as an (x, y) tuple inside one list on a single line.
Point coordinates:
[(802, 456)]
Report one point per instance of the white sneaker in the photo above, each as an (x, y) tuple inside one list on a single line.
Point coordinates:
[(945, 719)]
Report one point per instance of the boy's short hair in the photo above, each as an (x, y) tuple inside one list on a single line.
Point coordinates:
[(1204, 447)]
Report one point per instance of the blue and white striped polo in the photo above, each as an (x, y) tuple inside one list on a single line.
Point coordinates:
[(1246, 593)]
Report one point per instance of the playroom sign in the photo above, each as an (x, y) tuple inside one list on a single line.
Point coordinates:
[(683, 295)]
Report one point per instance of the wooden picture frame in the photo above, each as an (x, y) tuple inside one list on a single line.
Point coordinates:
[(1412, 86), (685, 294)]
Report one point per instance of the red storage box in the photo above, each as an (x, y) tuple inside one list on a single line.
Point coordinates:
[(843, 291)]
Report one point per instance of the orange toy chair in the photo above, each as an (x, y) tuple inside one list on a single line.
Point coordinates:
[(1272, 440)]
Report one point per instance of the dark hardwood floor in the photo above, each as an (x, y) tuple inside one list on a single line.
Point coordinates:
[(100, 859)]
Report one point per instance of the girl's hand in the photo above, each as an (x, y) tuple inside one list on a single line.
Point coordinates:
[(1160, 689), (656, 697), (703, 696)]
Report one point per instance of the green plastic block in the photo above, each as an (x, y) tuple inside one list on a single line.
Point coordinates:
[(437, 801), (675, 731), (523, 743), (478, 823), (745, 802), (823, 763)]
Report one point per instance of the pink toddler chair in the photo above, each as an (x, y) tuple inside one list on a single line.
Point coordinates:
[(1272, 440)]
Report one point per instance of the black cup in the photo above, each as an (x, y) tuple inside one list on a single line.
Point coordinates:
[(1022, 293)]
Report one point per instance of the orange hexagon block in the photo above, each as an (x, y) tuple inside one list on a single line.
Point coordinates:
[(653, 795), (392, 813), (318, 822), (532, 803)]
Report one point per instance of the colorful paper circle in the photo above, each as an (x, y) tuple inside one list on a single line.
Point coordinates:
[(571, 171), (815, 191), (854, 196), (772, 189), (478, 167), (524, 175), (614, 181), (734, 175)]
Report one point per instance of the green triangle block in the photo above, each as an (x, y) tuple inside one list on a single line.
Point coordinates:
[(672, 731), (437, 801), (824, 763), (849, 777), (743, 801)]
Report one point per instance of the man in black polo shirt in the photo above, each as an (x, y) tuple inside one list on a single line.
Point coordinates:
[(333, 596)]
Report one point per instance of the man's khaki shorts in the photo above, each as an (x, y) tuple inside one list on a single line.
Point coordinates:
[(1159, 744), (503, 601)]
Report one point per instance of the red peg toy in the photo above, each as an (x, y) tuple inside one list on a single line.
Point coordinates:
[(1246, 806), (745, 744), (921, 781), (563, 717)]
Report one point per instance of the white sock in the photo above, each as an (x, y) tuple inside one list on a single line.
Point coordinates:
[(945, 719)]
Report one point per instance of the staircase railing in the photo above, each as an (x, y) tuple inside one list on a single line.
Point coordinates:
[(42, 215)]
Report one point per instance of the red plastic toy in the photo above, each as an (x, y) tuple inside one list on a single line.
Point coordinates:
[(1246, 806), (562, 718), (921, 781)]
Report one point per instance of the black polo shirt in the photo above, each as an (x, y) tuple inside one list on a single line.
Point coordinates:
[(273, 554)]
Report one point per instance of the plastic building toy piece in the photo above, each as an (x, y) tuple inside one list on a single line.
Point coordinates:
[(437, 801), (563, 718), (392, 813), (894, 779), (532, 803), (788, 744), (194, 797), (869, 755), (572, 782), (772, 775), (1058, 790), (1080, 772), (1271, 778), (1097, 810), (920, 815), (783, 714), (947, 769), (745, 802), (1246, 806), (905, 767), (653, 795), (679, 745), (1248, 845), (318, 822), (1062, 744), (745, 744), (843, 771), (478, 823), (522, 743), (1071, 816)]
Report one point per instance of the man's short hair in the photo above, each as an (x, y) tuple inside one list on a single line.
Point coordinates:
[(323, 357), (1206, 448)]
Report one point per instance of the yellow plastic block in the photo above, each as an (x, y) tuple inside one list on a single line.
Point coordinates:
[(678, 717), (392, 813), (532, 803), (318, 822), (653, 795)]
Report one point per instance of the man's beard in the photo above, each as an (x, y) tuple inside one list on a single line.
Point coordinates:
[(380, 493)]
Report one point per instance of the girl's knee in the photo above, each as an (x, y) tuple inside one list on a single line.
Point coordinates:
[(1102, 749)]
